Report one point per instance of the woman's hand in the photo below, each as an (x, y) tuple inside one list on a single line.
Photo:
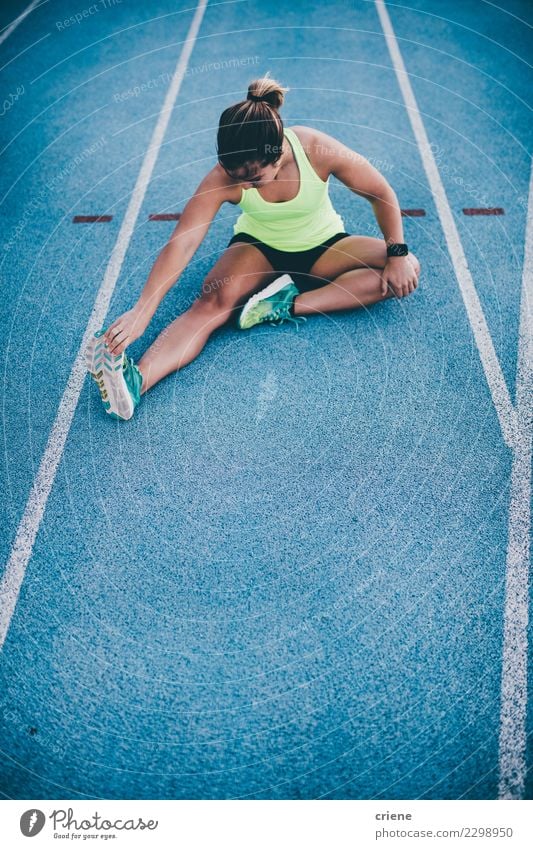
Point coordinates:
[(399, 273), (126, 329)]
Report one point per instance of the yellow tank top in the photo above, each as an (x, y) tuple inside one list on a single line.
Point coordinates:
[(293, 225)]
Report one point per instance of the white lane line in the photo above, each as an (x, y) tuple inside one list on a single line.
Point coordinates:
[(22, 547), (476, 317), (517, 424), (14, 24), (513, 705)]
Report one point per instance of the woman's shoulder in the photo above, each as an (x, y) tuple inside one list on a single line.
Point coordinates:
[(305, 135), (315, 145), (217, 181), (323, 151)]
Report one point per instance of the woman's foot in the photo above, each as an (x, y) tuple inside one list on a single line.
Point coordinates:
[(273, 304), (117, 377)]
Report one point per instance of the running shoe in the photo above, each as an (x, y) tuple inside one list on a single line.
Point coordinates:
[(273, 304), (117, 377)]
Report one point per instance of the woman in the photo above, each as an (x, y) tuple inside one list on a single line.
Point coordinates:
[(288, 226)]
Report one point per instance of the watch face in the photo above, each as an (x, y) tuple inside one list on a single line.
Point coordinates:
[(397, 250)]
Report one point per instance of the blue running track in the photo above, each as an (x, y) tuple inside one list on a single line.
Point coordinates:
[(290, 576)]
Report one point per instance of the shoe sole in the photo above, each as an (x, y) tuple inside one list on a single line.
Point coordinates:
[(272, 289), (106, 371)]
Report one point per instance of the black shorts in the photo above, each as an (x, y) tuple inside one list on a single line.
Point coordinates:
[(296, 263)]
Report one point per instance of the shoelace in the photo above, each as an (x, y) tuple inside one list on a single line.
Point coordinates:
[(282, 314)]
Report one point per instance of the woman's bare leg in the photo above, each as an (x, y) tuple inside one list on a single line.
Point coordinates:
[(240, 271), (354, 266)]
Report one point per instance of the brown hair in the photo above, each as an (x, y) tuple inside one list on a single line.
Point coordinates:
[(252, 130)]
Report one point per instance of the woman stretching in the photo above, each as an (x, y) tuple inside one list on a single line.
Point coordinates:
[(288, 239)]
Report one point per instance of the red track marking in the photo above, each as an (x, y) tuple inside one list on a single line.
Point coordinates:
[(413, 213), (89, 219), (494, 210), (165, 216)]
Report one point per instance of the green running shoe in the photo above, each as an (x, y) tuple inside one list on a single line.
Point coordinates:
[(273, 304), (117, 377)]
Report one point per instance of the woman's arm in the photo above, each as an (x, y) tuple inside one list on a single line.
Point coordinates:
[(361, 177), (173, 259)]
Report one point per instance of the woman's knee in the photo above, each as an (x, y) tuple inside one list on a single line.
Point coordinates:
[(216, 297), (218, 289)]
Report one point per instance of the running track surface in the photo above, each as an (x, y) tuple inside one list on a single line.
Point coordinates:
[(291, 574)]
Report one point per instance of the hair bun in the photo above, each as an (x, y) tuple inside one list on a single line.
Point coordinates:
[(267, 90)]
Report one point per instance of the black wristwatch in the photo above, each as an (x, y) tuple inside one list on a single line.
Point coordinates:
[(397, 249)]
